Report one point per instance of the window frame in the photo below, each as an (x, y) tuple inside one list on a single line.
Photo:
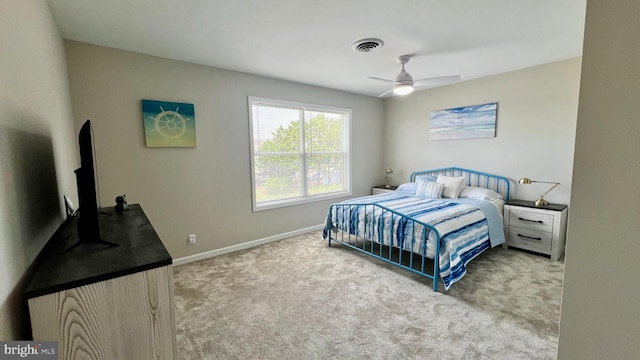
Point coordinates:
[(305, 198)]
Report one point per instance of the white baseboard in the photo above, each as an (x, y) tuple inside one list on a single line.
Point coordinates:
[(245, 245)]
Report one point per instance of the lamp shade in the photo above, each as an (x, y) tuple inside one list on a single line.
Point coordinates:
[(524, 181)]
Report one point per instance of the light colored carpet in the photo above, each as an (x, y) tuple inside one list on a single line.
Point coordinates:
[(300, 299)]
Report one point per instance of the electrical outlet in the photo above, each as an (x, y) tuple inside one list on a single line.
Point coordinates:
[(192, 239)]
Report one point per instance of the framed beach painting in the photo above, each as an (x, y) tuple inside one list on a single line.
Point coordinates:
[(169, 124), (467, 122)]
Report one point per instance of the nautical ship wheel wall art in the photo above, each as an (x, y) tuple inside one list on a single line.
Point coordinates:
[(169, 124)]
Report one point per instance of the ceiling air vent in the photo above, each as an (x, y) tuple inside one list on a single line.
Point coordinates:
[(367, 45)]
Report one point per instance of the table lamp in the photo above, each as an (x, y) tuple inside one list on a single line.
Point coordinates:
[(541, 201), (386, 177)]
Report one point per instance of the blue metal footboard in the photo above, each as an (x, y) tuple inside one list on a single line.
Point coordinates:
[(382, 223)]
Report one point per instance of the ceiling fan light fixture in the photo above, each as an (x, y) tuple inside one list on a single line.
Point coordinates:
[(403, 89), (404, 83)]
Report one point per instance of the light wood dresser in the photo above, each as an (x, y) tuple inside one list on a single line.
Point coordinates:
[(103, 302)]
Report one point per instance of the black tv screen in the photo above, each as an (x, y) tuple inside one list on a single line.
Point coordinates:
[(89, 220), (88, 204)]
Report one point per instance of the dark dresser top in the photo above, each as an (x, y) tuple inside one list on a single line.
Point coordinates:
[(139, 249)]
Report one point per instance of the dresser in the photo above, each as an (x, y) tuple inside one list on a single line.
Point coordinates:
[(101, 302), (539, 229)]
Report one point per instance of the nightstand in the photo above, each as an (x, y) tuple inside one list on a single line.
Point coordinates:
[(381, 189), (541, 229)]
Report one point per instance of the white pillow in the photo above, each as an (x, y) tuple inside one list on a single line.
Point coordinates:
[(474, 192), (429, 189), (452, 186)]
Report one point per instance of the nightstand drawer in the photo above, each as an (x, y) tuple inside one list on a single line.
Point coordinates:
[(530, 238), (531, 220)]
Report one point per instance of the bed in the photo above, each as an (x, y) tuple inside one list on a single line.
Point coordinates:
[(433, 225)]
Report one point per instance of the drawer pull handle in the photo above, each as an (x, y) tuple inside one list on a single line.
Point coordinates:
[(533, 221), (529, 237)]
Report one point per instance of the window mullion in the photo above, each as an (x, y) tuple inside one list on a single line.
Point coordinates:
[(303, 154)]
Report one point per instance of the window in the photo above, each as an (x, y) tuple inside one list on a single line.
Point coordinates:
[(300, 152)]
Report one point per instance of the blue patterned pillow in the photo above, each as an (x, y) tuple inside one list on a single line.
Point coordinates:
[(407, 188), (429, 189)]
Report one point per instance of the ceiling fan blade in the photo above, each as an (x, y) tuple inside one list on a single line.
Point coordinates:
[(380, 79), (441, 80), (386, 93)]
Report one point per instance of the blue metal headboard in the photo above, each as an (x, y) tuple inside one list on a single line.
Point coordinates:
[(497, 183)]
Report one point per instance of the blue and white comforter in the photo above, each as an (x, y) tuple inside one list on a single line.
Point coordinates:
[(467, 227)]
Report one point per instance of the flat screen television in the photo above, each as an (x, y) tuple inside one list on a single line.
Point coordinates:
[(88, 208)]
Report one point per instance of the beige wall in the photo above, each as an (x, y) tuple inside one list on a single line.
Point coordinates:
[(37, 148), (537, 111), (204, 190), (601, 298)]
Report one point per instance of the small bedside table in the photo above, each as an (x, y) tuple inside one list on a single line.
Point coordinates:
[(541, 229), (381, 189)]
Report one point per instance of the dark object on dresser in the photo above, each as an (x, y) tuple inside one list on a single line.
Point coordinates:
[(121, 204)]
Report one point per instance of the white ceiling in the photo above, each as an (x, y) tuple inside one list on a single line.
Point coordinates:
[(309, 41)]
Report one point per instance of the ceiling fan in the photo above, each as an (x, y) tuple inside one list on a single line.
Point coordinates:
[(404, 83)]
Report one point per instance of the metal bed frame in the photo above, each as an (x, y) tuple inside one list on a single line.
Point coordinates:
[(407, 259)]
